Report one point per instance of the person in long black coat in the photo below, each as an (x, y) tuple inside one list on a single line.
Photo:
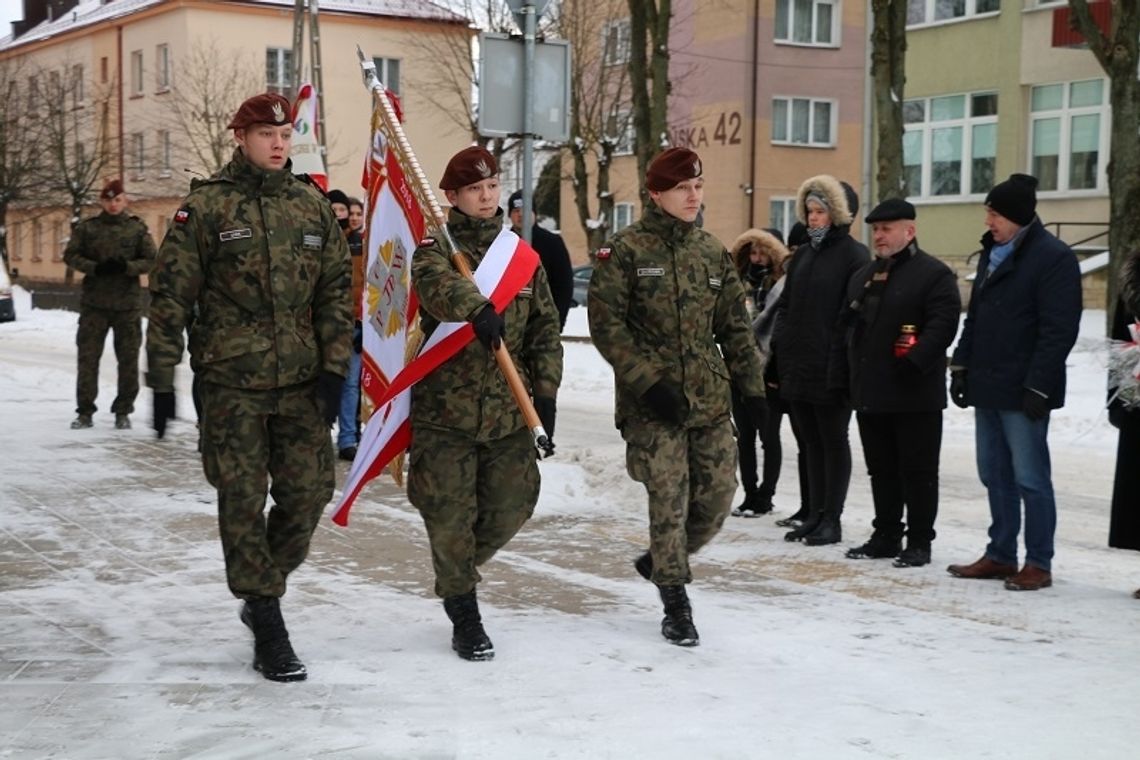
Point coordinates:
[(808, 340), (554, 256), (1124, 527), (902, 315)]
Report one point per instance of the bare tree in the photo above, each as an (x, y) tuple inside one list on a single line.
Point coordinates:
[(888, 69), (20, 147), (649, 78), (1118, 53)]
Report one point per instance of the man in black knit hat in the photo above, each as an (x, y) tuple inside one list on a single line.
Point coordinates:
[(1024, 313)]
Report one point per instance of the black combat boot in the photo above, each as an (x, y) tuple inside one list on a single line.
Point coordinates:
[(914, 555), (122, 422), (880, 546), (468, 638), (273, 655), (806, 527), (827, 532), (677, 625), (82, 421), (644, 566)]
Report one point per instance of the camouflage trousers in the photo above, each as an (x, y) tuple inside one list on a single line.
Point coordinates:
[(253, 441), (473, 497), (690, 475), (90, 339)]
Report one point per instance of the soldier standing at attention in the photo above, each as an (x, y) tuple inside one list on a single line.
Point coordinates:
[(473, 471), (111, 250), (667, 310), (260, 254)]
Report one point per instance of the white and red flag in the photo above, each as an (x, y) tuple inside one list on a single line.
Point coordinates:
[(306, 151)]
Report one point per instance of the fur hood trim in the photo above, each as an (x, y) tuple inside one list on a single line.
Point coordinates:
[(766, 241), (1130, 284), (837, 195)]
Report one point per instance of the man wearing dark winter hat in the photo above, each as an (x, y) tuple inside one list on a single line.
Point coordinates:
[(1022, 321), (473, 473), (902, 314), (555, 258), (667, 310)]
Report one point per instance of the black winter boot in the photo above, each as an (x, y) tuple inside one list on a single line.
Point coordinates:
[(468, 638), (644, 566), (273, 655), (677, 625), (807, 526), (827, 532), (878, 547)]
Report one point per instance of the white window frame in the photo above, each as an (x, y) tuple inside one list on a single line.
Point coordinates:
[(385, 68), (833, 121), (787, 213), (834, 32), (162, 67), (927, 128), (1066, 113), (138, 155), (623, 133), (971, 12), (283, 67), (58, 240), (37, 241), (136, 73), (622, 216), (616, 42), (164, 161), (78, 86)]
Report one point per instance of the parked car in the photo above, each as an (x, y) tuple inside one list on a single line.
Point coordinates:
[(582, 276), (7, 306)]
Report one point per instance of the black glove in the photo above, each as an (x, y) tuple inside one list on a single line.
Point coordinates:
[(757, 407), (1116, 414), (489, 328), (1034, 405), (357, 337), (907, 370), (328, 393), (111, 266), (667, 402), (545, 407), (163, 411), (958, 388)]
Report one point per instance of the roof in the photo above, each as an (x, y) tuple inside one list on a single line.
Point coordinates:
[(88, 12)]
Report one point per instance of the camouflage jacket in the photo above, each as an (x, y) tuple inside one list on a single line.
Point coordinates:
[(663, 295), (468, 393), (111, 236), (262, 257)]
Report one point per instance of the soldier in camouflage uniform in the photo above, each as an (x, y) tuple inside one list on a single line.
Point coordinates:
[(663, 295), (111, 250), (473, 473), (261, 256)]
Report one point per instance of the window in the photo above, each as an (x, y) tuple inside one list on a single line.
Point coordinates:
[(782, 214), (1067, 135), (58, 240), (388, 69), (37, 240), (933, 11), (103, 69), (33, 94), (803, 121), (138, 162), (623, 216), (162, 68), (279, 70), (78, 86), (807, 22), (163, 153), (15, 235), (950, 144), (80, 155), (136, 73), (615, 42), (620, 130), (55, 90)]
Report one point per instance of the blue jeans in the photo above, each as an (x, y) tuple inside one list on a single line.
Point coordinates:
[(348, 425), (1013, 464)]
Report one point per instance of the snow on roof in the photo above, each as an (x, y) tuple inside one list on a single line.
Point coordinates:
[(88, 12)]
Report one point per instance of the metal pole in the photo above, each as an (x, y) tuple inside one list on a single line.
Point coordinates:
[(529, 29), (318, 74)]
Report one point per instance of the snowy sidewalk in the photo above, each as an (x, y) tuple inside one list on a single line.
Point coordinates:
[(118, 638)]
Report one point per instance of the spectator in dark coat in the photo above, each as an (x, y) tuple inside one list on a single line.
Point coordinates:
[(902, 316), (1124, 414), (1023, 318), (552, 251), (809, 343)]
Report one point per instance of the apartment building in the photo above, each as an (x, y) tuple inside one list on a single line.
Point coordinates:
[(768, 92), (128, 69)]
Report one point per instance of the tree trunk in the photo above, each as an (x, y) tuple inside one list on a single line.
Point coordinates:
[(888, 69), (649, 65)]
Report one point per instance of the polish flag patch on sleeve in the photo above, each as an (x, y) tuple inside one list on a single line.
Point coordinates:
[(181, 216), (603, 253)]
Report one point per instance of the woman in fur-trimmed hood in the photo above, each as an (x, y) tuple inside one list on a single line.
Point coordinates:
[(809, 344), (1124, 526), (764, 242)]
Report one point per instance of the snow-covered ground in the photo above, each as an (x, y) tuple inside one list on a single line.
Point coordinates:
[(118, 638)]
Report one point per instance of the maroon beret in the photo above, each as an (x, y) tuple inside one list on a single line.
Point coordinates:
[(467, 167), (111, 188), (267, 108), (672, 167)]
